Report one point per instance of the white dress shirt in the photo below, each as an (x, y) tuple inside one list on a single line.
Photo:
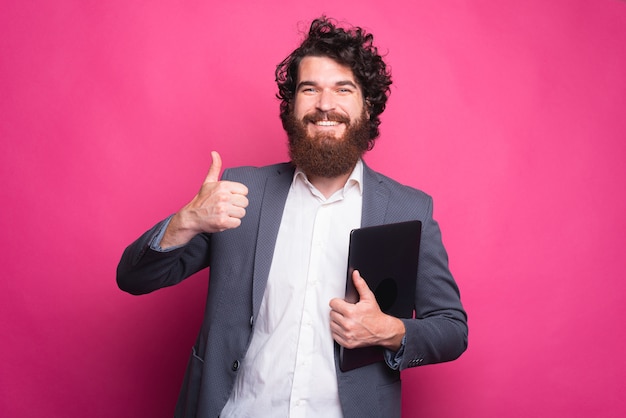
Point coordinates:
[(289, 368)]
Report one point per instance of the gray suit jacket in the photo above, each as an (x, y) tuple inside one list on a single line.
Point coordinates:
[(239, 261)]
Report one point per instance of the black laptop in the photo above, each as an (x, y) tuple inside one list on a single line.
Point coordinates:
[(386, 256)]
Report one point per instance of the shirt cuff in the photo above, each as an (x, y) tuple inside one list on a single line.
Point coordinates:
[(156, 240), (394, 358)]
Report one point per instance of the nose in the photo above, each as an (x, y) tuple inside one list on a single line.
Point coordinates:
[(325, 101)]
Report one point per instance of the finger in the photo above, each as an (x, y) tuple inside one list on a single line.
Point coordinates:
[(236, 212), (361, 286), (239, 200), (215, 169), (337, 305), (237, 188)]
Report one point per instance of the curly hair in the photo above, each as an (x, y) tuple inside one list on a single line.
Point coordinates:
[(351, 47)]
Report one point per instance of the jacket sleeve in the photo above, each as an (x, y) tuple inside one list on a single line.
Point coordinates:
[(145, 268), (438, 333)]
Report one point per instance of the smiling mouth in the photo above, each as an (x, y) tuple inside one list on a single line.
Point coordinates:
[(326, 123), (326, 119)]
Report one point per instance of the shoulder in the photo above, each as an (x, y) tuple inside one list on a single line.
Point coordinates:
[(395, 189), (250, 172)]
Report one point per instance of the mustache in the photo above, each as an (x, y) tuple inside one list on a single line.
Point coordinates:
[(329, 116)]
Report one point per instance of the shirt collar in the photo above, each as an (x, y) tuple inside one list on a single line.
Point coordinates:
[(355, 179)]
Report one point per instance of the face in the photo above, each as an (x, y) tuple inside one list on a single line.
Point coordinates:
[(328, 97), (328, 129)]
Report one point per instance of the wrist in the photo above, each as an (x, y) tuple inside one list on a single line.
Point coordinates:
[(178, 231), (394, 333)]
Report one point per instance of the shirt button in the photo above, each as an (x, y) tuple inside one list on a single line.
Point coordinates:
[(235, 365)]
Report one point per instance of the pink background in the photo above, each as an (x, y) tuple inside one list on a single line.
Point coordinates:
[(511, 114)]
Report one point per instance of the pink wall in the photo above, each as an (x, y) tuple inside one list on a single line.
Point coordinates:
[(511, 114)]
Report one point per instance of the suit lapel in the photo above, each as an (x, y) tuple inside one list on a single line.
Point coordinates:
[(272, 207), (375, 198)]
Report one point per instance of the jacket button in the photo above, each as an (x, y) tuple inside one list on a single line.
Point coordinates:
[(252, 320), (235, 365)]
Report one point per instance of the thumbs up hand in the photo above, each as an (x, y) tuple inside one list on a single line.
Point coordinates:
[(218, 206)]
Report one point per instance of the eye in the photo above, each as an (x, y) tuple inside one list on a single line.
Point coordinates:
[(344, 90), (307, 90)]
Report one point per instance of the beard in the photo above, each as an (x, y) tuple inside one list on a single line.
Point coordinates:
[(324, 154)]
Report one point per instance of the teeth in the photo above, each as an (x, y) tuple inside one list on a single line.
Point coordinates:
[(326, 123)]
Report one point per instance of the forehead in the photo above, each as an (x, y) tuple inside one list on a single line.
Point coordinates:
[(324, 70)]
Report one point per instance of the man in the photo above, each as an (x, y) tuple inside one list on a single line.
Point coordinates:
[(276, 240)]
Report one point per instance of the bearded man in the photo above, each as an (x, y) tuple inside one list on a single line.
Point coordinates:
[(276, 239)]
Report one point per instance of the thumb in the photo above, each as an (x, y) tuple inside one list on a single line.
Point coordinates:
[(216, 166), (361, 286)]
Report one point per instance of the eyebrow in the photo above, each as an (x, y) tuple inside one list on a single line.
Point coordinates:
[(338, 84)]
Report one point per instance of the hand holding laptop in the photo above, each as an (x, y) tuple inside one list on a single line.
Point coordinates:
[(363, 323)]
